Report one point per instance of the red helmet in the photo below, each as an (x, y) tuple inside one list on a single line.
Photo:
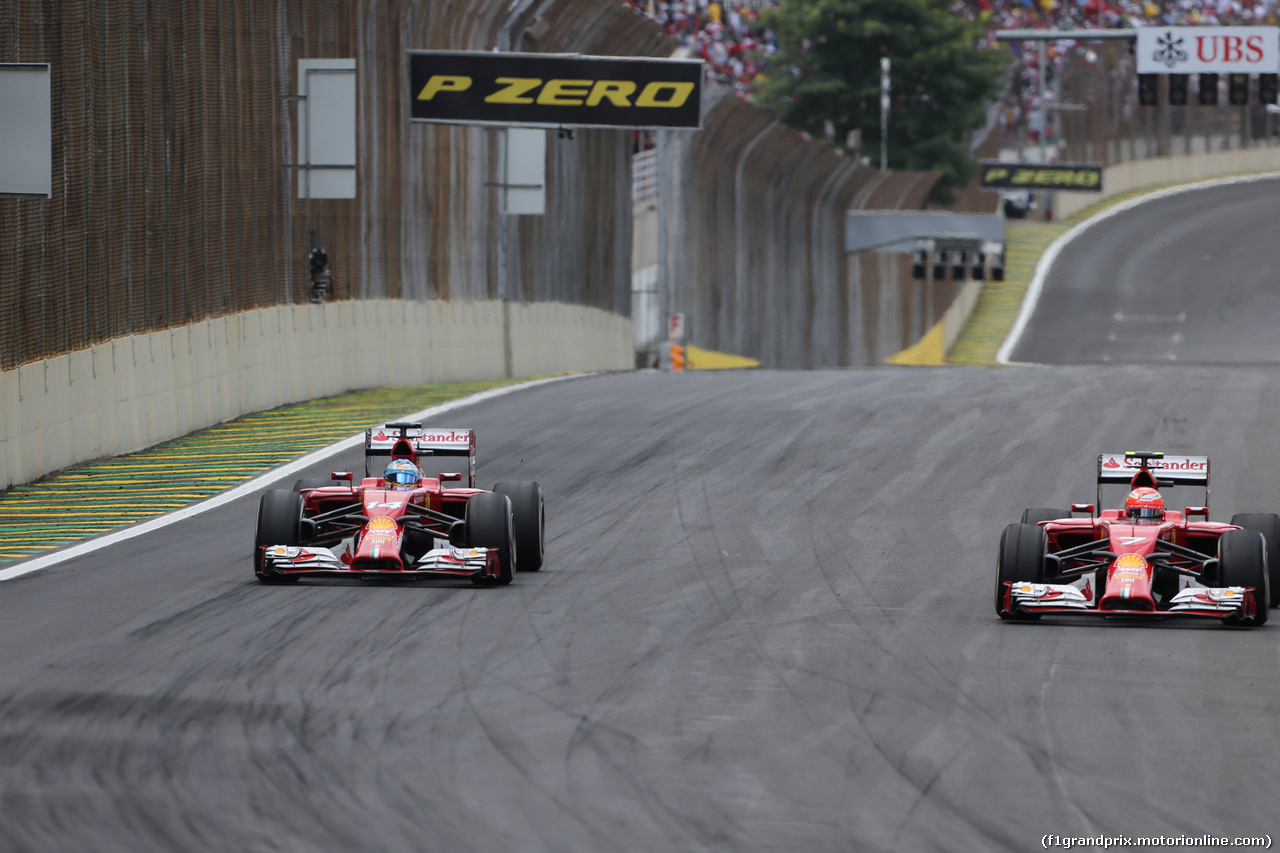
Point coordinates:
[(1144, 502)]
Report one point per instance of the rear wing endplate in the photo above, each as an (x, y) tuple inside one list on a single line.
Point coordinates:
[(423, 444)]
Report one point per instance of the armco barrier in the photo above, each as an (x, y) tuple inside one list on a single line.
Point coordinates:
[(136, 391)]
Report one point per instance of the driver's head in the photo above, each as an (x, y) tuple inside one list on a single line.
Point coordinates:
[(402, 475), (1144, 502)]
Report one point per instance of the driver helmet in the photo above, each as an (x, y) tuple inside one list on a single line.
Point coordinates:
[(402, 475), (1144, 502)]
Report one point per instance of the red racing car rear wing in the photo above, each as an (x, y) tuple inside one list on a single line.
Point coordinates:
[(1161, 469), (412, 441)]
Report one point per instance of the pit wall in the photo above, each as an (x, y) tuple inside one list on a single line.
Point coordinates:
[(134, 392), (1133, 174)]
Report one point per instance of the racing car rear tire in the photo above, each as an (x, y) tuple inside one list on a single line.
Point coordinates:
[(1021, 558), (490, 525), (529, 513), (1037, 514), (1268, 524), (279, 511), (1242, 556)]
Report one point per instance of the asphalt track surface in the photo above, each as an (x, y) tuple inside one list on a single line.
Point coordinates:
[(765, 623), (1187, 279)]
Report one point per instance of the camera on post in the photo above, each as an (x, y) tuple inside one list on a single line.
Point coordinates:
[(318, 264)]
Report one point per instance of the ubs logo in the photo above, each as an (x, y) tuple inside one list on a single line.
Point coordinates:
[(1169, 50)]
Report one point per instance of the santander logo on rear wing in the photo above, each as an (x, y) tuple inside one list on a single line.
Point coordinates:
[(427, 443), (1170, 470), (433, 442)]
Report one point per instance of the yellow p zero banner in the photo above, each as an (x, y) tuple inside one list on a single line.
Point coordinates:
[(551, 90), (1079, 177)]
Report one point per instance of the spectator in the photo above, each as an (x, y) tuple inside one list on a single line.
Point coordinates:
[(736, 47), (728, 38)]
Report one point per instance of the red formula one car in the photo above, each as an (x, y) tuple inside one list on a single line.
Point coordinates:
[(1143, 560), (403, 520)]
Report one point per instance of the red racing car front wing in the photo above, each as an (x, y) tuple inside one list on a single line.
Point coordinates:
[(1231, 603), (479, 565)]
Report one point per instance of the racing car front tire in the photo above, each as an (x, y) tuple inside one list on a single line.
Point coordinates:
[(1268, 524), (489, 524), (1037, 514), (311, 483), (279, 511), (1242, 557), (529, 514), (1021, 559)]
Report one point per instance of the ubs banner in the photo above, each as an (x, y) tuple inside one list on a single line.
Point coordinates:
[(1209, 50), (550, 90), (1080, 177)]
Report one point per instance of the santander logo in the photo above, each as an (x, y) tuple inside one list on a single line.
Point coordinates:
[(452, 436), (1169, 464)]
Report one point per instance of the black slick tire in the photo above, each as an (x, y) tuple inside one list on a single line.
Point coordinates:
[(490, 525), (1020, 559), (529, 512), (1268, 524), (311, 483), (1242, 556), (279, 511)]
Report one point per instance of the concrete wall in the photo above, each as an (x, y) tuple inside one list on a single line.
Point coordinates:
[(134, 392), (1123, 177)]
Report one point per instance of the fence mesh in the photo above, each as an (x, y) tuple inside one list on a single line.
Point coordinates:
[(171, 134), (1102, 122)]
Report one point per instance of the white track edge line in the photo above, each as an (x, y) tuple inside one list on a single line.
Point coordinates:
[(1051, 254), (35, 564)]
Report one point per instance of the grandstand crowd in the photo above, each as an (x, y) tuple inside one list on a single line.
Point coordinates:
[(729, 38), (1064, 14), (736, 46)]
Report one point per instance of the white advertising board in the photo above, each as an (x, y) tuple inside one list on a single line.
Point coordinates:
[(327, 128), (1210, 50), (26, 131), (524, 189)]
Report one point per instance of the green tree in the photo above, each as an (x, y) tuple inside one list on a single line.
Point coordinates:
[(826, 74)]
